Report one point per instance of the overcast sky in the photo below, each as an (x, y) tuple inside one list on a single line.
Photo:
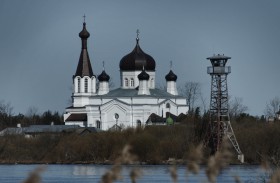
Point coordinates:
[(40, 47)]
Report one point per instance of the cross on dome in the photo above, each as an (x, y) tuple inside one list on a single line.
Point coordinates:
[(137, 35), (84, 18), (137, 32)]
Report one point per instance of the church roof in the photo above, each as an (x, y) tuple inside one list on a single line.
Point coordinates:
[(77, 117), (84, 65), (136, 59), (154, 93)]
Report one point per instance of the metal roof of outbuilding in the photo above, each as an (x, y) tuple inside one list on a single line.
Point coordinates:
[(48, 128)]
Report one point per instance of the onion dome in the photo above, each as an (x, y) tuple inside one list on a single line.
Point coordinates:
[(171, 76), (104, 76), (143, 75), (84, 66), (84, 34), (137, 59)]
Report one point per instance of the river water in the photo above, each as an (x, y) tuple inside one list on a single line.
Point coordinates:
[(150, 173)]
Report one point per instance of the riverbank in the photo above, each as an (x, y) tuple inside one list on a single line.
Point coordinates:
[(153, 145)]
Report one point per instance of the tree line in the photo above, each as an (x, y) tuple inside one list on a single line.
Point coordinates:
[(32, 117)]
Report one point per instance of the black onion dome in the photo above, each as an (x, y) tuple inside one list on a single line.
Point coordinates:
[(137, 59), (84, 34), (103, 76), (143, 75), (171, 76)]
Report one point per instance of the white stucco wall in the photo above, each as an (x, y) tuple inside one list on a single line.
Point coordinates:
[(134, 75), (171, 87)]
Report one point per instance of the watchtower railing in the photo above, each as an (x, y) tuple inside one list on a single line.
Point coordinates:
[(219, 70)]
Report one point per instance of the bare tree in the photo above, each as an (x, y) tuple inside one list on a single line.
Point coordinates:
[(6, 108), (111, 84), (32, 111), (6, 112), (272, 107), (236, 107), (203, 103), (192, 91)]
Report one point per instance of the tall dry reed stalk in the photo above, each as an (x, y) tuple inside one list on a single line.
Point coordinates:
[(195, 159), (219, 161), (115, 172), (35, 175)]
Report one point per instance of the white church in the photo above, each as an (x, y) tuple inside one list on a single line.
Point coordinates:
[(130, 105)]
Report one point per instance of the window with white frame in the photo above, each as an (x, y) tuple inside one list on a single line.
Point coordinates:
[(126, 82), (79, 84), (132, 82), (86, 85)]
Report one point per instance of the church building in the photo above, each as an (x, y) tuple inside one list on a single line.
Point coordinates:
[(130, 105)]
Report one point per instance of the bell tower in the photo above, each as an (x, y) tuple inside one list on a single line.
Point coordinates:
[(84, 80)]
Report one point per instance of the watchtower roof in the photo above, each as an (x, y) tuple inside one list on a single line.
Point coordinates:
[(219, 57)]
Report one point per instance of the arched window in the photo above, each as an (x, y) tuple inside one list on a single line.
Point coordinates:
[(126, 82), (86, 85), (167, 105), (138, 123), (79, 85), (132, 82), (98, 124)]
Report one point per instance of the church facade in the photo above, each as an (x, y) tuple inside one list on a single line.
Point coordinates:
[(130, 105)]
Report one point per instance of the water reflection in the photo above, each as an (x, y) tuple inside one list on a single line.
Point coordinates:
[(84, 170), (93, 173)]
